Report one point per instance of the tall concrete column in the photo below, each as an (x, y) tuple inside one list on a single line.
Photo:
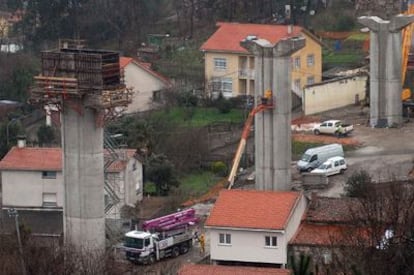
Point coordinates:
[(83, 162), (385, 68), (272, 127), (282, 114)]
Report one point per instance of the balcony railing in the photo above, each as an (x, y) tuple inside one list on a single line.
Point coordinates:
[(246, 73)]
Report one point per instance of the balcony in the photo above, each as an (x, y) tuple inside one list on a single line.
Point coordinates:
[(246, 74)]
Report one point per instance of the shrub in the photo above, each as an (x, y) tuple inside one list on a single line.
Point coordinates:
[(150, 188), (223, 105), (357, 184), (219, 168)]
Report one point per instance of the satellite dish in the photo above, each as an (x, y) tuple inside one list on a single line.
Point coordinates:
[(312, 12)]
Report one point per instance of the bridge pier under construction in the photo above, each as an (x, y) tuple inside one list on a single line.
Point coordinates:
[(273, 144)]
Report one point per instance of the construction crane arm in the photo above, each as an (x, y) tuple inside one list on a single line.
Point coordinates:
[(406, 46), (242, 144)]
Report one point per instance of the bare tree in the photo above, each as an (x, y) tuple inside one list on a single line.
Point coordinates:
[(381, 240)]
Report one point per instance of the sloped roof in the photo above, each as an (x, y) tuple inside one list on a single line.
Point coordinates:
[(199, 269), (253, 209), (330, 210), (124, 61), (46, 159), (319, 234), (229, 35)]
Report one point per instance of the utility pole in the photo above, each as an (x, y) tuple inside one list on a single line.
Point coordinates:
[(13, 213)]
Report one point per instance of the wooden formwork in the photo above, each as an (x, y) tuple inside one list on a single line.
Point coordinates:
[(93, 69), (91, 75)]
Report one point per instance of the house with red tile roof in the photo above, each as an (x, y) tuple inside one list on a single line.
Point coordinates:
[(200, 269), (32, 179), (251, 226), (147, 84), (230, 68), (327, 225)]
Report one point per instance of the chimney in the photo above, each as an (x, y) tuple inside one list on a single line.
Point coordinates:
[(289, 29), (21, 141)]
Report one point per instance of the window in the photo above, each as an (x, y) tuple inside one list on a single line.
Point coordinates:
[(222, 85), (49, 200), (156, 96), (224, 238), (227, 85), (310, 60), (310, 80), (220, 63), (296, 63), (296, 84), (270, 241), (49, 174)]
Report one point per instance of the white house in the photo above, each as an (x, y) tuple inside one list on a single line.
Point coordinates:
[(32, 179), (146, 83), (253, 226)]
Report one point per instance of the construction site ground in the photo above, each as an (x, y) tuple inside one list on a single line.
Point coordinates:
[(386, 153), (395, 144)]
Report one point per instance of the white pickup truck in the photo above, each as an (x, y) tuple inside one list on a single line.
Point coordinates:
[(333, 127)]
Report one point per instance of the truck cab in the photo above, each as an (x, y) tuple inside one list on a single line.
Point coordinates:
[(139, 245)]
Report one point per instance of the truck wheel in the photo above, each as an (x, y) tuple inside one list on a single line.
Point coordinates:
[(342, 171), (151, 259), (184, 248), (308, 170), (175, 251), (316, 132)]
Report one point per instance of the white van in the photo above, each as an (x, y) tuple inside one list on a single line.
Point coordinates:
[(314, 157), (333, 166)]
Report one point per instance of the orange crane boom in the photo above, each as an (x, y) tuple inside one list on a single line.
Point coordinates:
[(245, 134), (407, 36)]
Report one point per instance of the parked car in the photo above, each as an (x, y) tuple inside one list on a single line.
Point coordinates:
[(313, 157), (333, 166), (333, 127)]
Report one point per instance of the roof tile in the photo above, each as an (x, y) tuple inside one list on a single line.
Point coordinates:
[(229, 35), (46, 159), (252, 209), (199, 269)]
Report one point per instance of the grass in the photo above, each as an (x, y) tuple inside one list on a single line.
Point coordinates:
[(342, 57), (197, 184), (198, 117)]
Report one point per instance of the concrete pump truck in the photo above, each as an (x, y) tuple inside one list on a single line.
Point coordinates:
[(166, 236)]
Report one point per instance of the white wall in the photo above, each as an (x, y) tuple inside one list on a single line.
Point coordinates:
[(333, 94), (26, 188), (143, 84), (247, 246), (134, 182), (296, 218), (125, 185)]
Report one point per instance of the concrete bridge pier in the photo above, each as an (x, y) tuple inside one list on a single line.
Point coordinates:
[(385, 68), (272, 127)]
